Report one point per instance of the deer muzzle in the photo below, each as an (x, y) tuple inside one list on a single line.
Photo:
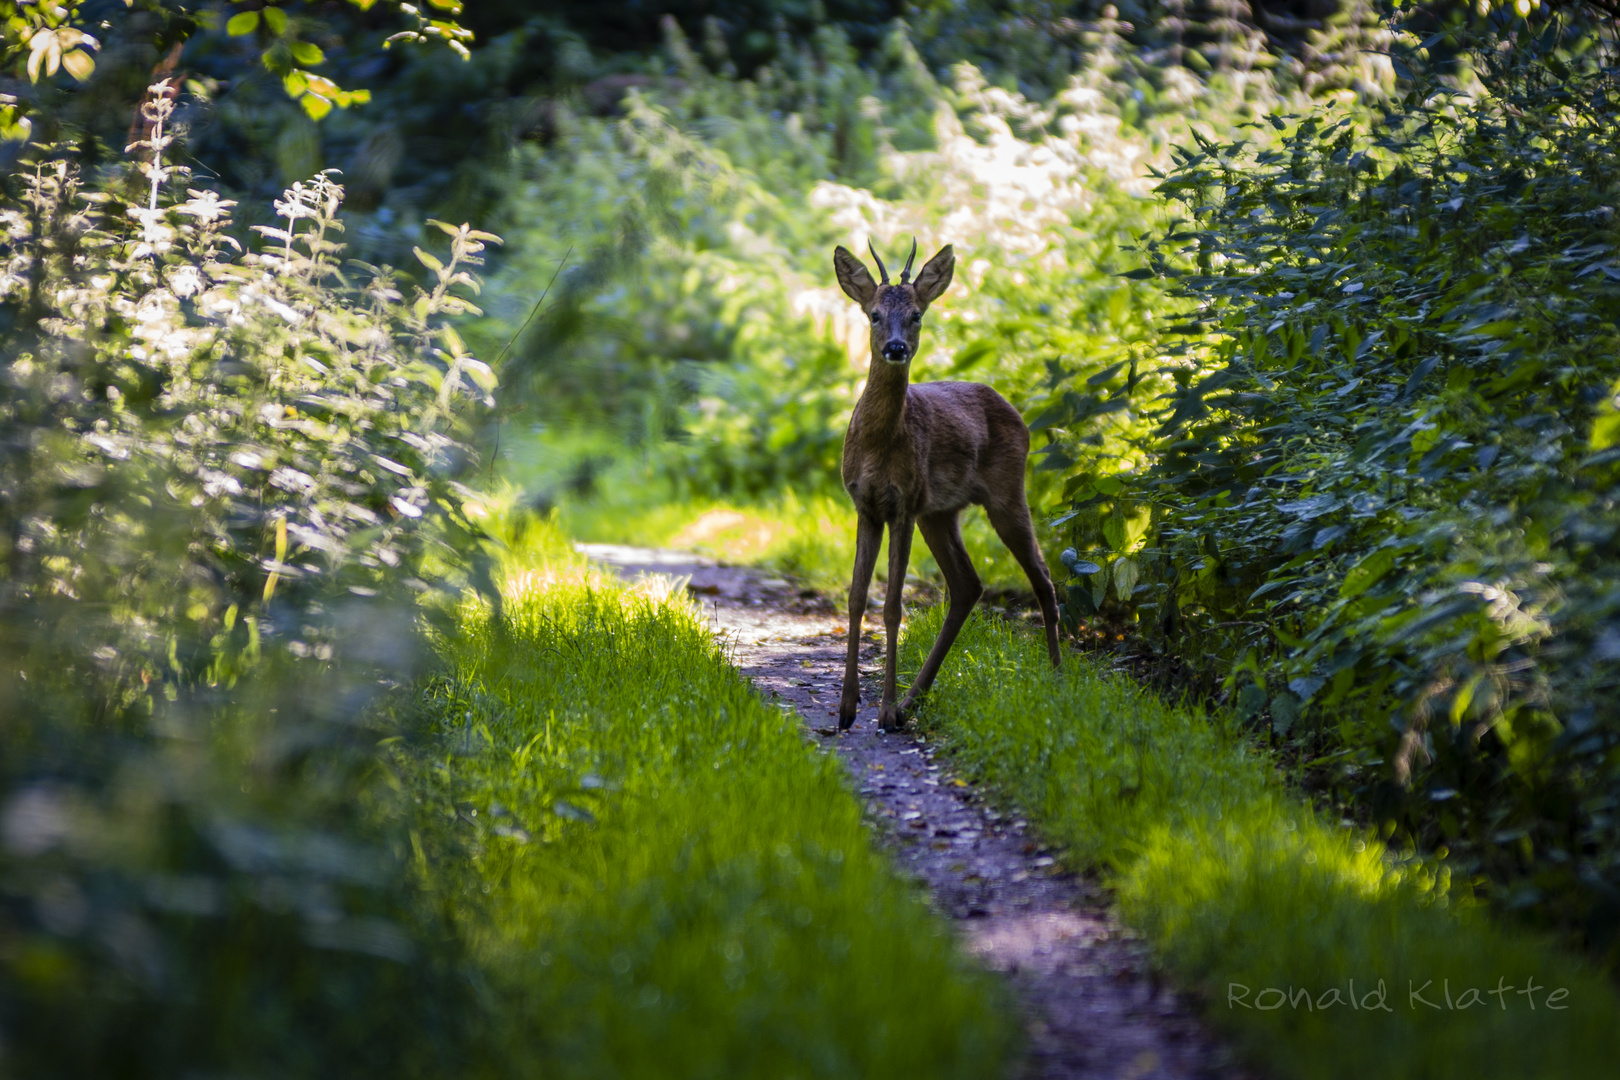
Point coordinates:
[(897, 352)]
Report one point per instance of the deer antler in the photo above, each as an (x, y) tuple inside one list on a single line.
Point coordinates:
[(905, 275), (883, 271)]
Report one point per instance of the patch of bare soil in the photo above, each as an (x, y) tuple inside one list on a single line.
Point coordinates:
[(1094, 1009)]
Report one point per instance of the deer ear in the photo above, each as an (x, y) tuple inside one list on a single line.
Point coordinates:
[(853, 277), (935, 276)]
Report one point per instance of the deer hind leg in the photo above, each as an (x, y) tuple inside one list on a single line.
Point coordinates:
[(868, 538), (1010, 518), (889, 716), (943, 534)]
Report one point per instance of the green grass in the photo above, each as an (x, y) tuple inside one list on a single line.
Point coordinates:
[(1238, 883), (810, 538), (655, 875)]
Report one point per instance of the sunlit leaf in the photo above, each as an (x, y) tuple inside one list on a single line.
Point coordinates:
[(78, 64), (428, 259), (1125, 571)]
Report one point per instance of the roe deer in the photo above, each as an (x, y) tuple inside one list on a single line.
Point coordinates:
[(918, 455)]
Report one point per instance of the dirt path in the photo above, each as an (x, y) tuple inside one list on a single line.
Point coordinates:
[(1092, 1005)]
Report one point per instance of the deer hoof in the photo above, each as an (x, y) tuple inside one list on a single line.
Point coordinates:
[(891, 718), (846, 716)]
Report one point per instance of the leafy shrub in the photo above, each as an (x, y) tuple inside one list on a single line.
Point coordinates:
[(1378, 507), (228, 491)]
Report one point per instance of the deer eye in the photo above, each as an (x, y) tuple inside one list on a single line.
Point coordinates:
[(875, 318), (916, 318)]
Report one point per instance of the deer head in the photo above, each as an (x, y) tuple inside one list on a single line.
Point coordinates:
[(895, 311)]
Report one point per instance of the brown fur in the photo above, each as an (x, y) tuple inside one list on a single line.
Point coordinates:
[(917, 455)]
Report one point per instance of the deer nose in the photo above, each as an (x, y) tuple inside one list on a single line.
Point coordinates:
[(894, 351)]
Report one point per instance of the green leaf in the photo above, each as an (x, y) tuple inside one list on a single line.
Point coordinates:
[(974, 353), (1125, 574), (1076, 565), (1270, 586), (242, 23), (428, 259), (1251, 701), (480, 373), (277, 58), (1106, 374), (276, 20), (1367, 573), (307, 54), (1284, 711), (1306, 686)]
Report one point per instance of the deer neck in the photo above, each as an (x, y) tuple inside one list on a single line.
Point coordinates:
[(882, 406)]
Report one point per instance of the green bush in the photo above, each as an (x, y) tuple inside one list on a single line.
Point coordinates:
[(1377, 510), (228, 494)]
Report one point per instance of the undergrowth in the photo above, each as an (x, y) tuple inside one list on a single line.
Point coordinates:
[(655, 877), (1377, 512), (1276, 914), (231, 487)]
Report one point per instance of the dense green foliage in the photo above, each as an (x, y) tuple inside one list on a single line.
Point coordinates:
[(1378, 508), (1276, 913), (654, 873), (53, 44), (228, 488), (1329, 421)]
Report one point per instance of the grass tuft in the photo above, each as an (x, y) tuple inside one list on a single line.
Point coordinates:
[(1274, 915)]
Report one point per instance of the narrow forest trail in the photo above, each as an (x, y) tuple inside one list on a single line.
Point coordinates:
[(1092, 1006)]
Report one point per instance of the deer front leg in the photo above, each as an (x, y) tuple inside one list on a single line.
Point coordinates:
[(868, 538), (890, 718)]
